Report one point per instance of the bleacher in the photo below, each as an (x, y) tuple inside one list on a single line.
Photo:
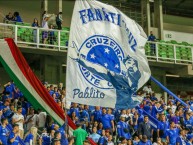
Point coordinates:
[(170, 51)]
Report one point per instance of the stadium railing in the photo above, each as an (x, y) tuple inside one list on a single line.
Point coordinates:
[(169, 52), (31, 37)]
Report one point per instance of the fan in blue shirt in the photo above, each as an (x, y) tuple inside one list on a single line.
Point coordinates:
[(96, 115), (3, 131), (180, 140), (189, 140), (123, 128), (46, 139), (106, 120), (172, 133), (188, 122), (75, 109), (30, 137), (103, 139), (163, 125), (63, 140), (13, 138), (145, 141), (155, 110)]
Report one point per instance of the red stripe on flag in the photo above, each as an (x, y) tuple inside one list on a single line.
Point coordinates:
[(36, 83), (32, 79)]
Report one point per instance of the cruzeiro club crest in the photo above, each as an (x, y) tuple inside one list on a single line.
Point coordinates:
[(103, 51)]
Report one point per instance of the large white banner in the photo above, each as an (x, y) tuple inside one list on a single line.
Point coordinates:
[(106, 63)]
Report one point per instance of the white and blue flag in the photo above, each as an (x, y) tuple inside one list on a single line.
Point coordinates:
[(106, 63)]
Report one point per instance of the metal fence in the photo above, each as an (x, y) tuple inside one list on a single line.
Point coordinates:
[(170, 53), (33, 37)]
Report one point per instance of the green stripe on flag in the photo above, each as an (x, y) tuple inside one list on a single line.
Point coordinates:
[(23, 89)]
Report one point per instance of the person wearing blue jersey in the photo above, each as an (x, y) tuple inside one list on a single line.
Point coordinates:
[(13, 138), (51, 90), (3, 131), (96, 115), (56, 92), (45, 139), (144, 141), (103, 139), (162, 127), (152, 38), (100, 128), (30, 138), (107, 121), (188, 123), (17, 17), (75, 109), (172, 133), (57, 136), (180, 140), (123, 129), (84, 115), (5, 108), (63, 139), (189, 139), (9, 88), (147, 107), (156, 109)]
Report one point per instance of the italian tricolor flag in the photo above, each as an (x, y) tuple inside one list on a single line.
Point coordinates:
[(19, 71)]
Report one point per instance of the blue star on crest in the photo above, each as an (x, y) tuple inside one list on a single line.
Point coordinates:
[(105, 56)]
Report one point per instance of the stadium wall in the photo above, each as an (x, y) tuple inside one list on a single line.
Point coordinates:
[(30, 9)]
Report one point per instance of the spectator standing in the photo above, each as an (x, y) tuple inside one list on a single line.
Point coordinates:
[(31, 119), (123, 128), (30, 138), (18, 119), (107, 121), (172, 133), (180, 140), (36, 25), (96, 115), (45, 26), (3, 131), (8, 17), (41, 120), (145, 129), (163, 125), (80, 135), (63, 136), (156, 109), (17, 17), (189, 140), (59, 20), (153, 39), (13, 138), (52, 38)]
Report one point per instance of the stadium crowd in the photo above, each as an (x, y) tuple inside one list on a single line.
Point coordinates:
[(105, 126)]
